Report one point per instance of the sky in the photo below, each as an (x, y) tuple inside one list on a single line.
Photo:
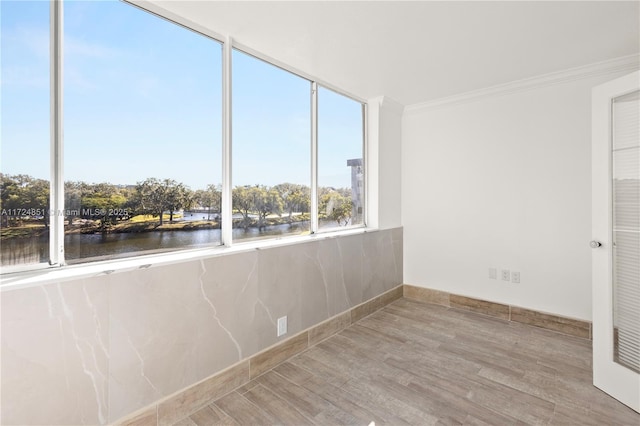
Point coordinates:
[(143, 98)]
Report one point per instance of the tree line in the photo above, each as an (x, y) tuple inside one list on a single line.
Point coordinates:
[(23, 196)]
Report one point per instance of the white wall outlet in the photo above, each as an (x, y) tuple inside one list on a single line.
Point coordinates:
[(515, 277), (493, 273), (506, 275), (282, 326)]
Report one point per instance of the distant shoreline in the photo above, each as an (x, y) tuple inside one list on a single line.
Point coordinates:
[(31, 230)]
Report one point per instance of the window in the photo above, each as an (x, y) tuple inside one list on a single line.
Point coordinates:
[(340, 160), (142, 155), (271, 150), (143, 133), (24, 149)]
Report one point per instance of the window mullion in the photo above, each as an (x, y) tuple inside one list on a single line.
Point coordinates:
[(226, 205), (314, 157), (56, 196), (365, 163)]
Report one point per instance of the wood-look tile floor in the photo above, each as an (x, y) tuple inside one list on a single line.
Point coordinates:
[(420, 364)]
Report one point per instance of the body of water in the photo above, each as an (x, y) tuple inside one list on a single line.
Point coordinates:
[(17, 251)]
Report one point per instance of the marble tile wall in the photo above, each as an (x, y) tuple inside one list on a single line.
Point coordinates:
[(92, 351)]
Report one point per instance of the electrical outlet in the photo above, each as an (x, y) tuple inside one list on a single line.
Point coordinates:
[(506, 275), (282, 326), (493, 273), (515, 277)]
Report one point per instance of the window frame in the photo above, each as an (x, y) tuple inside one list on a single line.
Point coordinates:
[(313, 120), (365, 185), (56, 231)]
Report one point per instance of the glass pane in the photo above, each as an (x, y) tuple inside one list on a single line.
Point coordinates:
[(340, 161), (626, 121), (271, 150), (626, 230), (24, 141), (143, 132)]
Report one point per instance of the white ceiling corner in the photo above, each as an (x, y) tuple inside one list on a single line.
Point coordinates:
[(419, 51)]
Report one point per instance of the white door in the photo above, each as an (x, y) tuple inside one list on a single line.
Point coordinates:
[(616, 234)]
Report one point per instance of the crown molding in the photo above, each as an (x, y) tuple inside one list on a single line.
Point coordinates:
[(625, 63)]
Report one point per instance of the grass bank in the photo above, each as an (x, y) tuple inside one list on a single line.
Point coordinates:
[(143, 223)]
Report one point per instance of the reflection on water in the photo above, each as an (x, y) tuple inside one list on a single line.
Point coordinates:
[(20, 251)]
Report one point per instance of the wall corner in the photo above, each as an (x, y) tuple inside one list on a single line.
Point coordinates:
[(384, 129)]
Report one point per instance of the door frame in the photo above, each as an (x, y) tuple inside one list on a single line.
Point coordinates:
[(614, 379)]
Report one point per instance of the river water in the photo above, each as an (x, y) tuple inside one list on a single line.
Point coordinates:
[(85, 247)]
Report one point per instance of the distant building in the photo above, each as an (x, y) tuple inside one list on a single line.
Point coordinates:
[(357, 189)]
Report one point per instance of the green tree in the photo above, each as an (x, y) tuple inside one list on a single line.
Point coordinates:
[(242, 201), (335, 206), (151, 197), (73, 198), (295, 198), (155, 196), (102, 201), (209, 198), (23, 193), (177, 197), (266, 201), (10, 194), (36, 196), (259, 200)]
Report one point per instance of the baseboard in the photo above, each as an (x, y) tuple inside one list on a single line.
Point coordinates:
[(180, 405), (176, 407), (565, 325)]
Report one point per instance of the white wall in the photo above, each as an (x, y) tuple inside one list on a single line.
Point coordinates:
[(384, 163), (390, 177), (502, 181)]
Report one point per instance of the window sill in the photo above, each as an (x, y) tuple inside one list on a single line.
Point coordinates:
[(18, 280)]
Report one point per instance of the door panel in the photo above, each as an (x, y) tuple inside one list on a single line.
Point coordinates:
[(626, 229), (616, 224)]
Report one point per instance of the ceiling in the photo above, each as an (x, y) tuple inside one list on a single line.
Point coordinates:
[(418, 51)]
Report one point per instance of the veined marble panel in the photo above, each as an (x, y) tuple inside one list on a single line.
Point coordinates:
[(155, 332), (230, 288), (55, 354), (317, 283), (327, 257), (382, 261), (92, 351), (350, 269)]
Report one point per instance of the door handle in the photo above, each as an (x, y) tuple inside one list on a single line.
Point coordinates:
[(595, 244)]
